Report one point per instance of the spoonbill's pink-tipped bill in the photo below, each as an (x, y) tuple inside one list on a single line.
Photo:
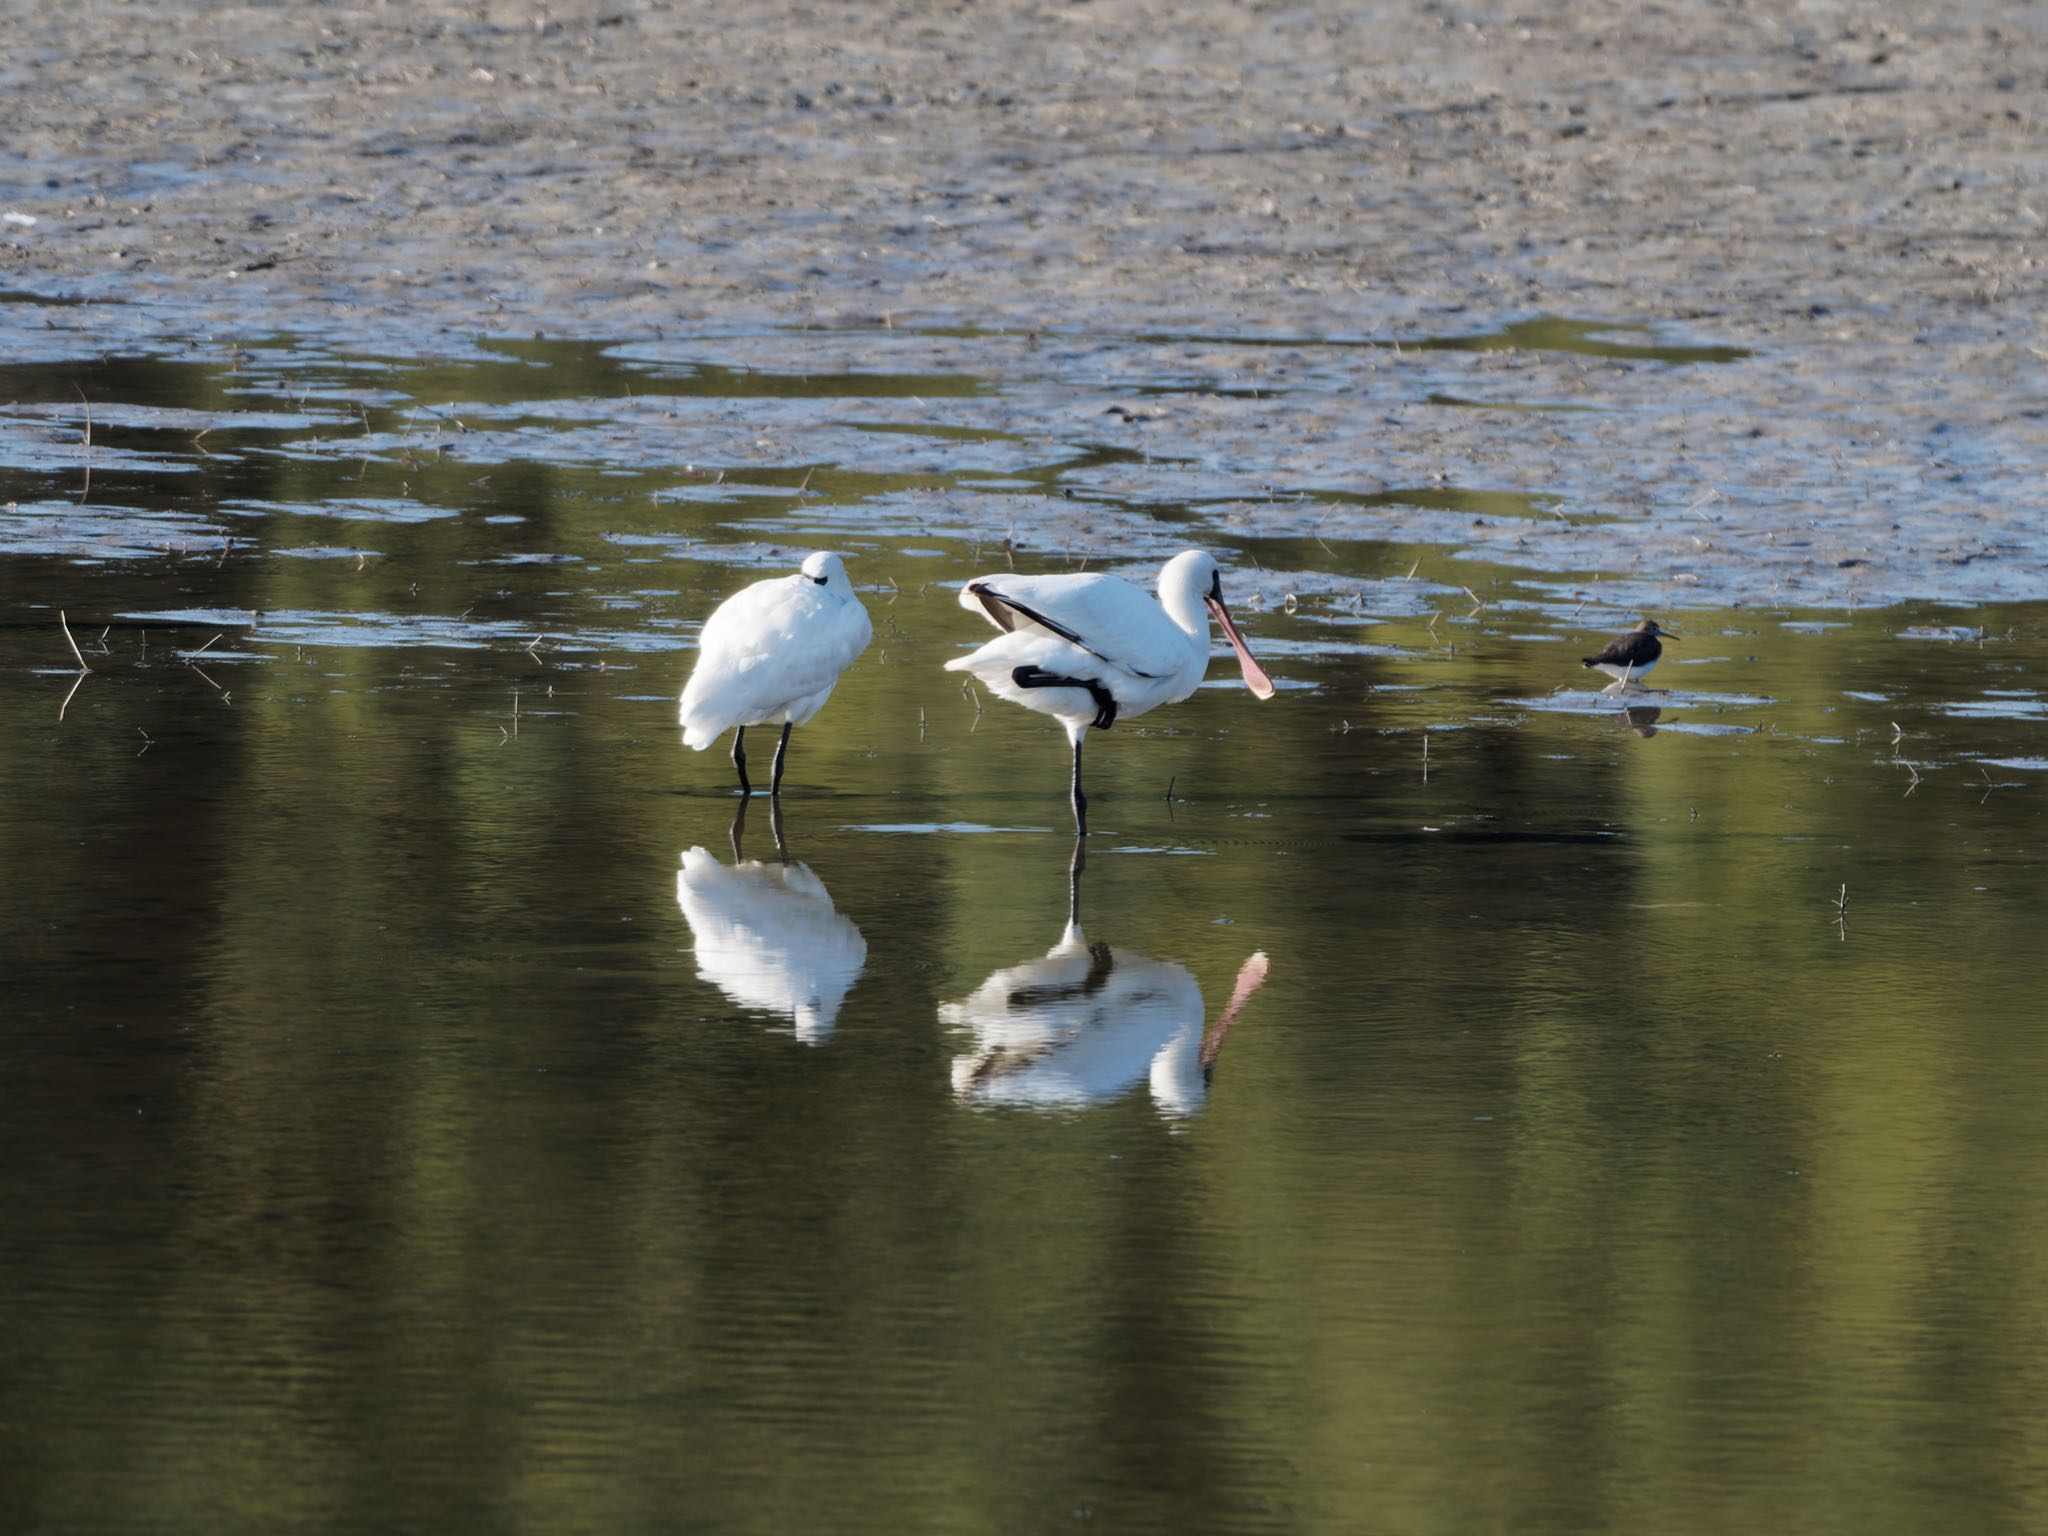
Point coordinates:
[(1254, 675)]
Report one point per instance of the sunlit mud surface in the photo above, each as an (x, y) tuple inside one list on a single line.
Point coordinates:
[(425, 1104)]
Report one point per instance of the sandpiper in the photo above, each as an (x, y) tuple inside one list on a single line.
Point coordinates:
[(1628, 657)]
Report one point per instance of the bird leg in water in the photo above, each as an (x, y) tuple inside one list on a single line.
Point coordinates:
[(739, 831), (1038, 677), (739, 760), (1079, 863), (775, 778)]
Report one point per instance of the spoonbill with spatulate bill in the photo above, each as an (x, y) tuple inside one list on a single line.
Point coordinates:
[(1090, 650)]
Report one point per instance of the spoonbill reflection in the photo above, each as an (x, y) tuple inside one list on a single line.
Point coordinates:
[(1090, 649), (770, 655), (1084, 1022), (768, 936)]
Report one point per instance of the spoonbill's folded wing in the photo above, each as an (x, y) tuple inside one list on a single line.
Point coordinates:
[(1103, 615)]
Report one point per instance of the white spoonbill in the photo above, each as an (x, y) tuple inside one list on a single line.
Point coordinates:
[(1090, 649), (769, 655)]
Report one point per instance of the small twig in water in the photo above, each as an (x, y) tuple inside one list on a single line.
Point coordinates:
[(75, 651)]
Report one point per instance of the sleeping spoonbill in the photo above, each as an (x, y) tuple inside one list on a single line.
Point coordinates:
[(1628, 657), (769, 655), (1091, 649)]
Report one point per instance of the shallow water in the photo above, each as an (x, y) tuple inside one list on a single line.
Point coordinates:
[(418, 1117)]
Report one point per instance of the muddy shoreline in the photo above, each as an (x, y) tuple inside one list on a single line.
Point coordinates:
[(1210, 235)]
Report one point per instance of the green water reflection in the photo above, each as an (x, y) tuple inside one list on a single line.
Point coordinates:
[(384, 1150)]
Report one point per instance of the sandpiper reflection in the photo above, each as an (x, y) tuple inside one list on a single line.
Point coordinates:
[(768, 936), (1642, 719), (1084, 1022)]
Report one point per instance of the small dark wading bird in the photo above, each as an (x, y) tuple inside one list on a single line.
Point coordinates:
[(1627, 658), (1090, 650), (769, 655)]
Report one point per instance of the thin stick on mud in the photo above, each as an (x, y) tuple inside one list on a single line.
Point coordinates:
[(85, 490), (65, 625)]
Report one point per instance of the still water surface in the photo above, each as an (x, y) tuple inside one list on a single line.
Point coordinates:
[(1462, 1103)]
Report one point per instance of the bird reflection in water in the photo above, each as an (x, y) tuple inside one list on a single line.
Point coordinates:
[(1642, 719), (768, 936), (1082, 1024)]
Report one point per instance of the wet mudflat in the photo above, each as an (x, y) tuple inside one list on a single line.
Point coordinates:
[(1469, 1099)]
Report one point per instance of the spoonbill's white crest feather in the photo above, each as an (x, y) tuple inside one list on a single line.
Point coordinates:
[(769, 938), (772, 652)]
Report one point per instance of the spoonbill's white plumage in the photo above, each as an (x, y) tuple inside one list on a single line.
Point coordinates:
[(769, 655), (1092, 649), (769, 938)]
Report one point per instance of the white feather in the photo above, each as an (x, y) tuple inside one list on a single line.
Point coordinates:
[(772, 652)]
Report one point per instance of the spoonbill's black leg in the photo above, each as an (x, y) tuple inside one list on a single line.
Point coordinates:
[(775, 777), (1105, 717), (1080, 800), (739, 760), (1080, 862), (1105, 701)]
